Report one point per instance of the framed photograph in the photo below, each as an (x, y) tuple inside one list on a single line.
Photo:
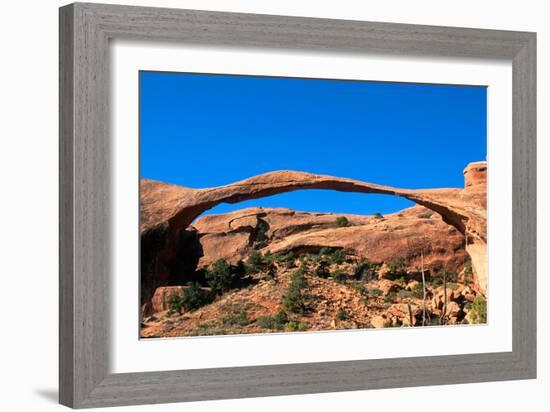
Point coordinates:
[(256, 205)]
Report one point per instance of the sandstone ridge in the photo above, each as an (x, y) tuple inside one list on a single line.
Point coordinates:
[(167, 212)]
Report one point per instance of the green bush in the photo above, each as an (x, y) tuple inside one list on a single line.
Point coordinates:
[(339, 275), (195, 297), (339, 256), (240, 319), (280, 317), (341, 315), (390, 297), (286, 259), (336, 256), (175, 302), (271, 272), (404, 294), (295, 298), (266, 322), (342, 221), (260, 232), (425, 215), (378, 215), (294, 326), (479, 306), (452, 276), (418, 291), (375, 292), (397, 265), (255, 263), (468, 272), (322, 269), (277, 321), (222, 277), (365, 271), (359, 287)]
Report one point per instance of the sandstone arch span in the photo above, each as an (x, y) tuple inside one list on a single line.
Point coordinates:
[(173, 208)]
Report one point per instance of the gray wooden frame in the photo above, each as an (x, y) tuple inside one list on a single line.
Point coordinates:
[(85, 31)]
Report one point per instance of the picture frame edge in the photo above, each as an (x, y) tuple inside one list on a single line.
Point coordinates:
[(84, 379)]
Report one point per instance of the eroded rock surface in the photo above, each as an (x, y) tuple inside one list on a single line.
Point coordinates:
[(172, 247)]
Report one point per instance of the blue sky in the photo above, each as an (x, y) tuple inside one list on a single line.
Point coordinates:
[(200, 130)]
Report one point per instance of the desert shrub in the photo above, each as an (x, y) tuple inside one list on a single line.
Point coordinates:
[(397, 265), (280, 317), (269, 257), (436, 281), (468, 272), (400, 215), (359, 287), (286, 259), (404, 294), (377, 215), (425, 215), (295, 298), (325, 251), (375, 292), (365, 271), (260, 232), (255, 263), (341, 315), (175, 302), (293, 326), (390, 297), (479, 306), (418, 291), (222, 277), (277, 321), (240, 319), (195, 297), (342, 221), (339, 256), (266, 322), (336, 256), (452, 276), (271, 272), (322, 269), (339, 275)]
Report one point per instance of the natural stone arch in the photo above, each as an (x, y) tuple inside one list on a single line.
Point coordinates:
[(172, 208)]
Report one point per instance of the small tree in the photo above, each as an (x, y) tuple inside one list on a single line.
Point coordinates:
[(175, 302), (222, 277), (295, 298), (397, 265), (341, 315), (255, 263), (378, 215), (195, 297), (342, 221), (365, 270), (338, 256), (322, 269), (339, 275), (261, 230)]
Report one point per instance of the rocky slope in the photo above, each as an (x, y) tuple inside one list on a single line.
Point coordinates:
[(234, 236), (168, 210), (341, 298), (445, 235)]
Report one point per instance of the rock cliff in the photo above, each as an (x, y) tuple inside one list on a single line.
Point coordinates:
[(173, 247)]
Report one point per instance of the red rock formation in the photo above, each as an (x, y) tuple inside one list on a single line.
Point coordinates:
[(168, 210), (405, 234), (161, 298)]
